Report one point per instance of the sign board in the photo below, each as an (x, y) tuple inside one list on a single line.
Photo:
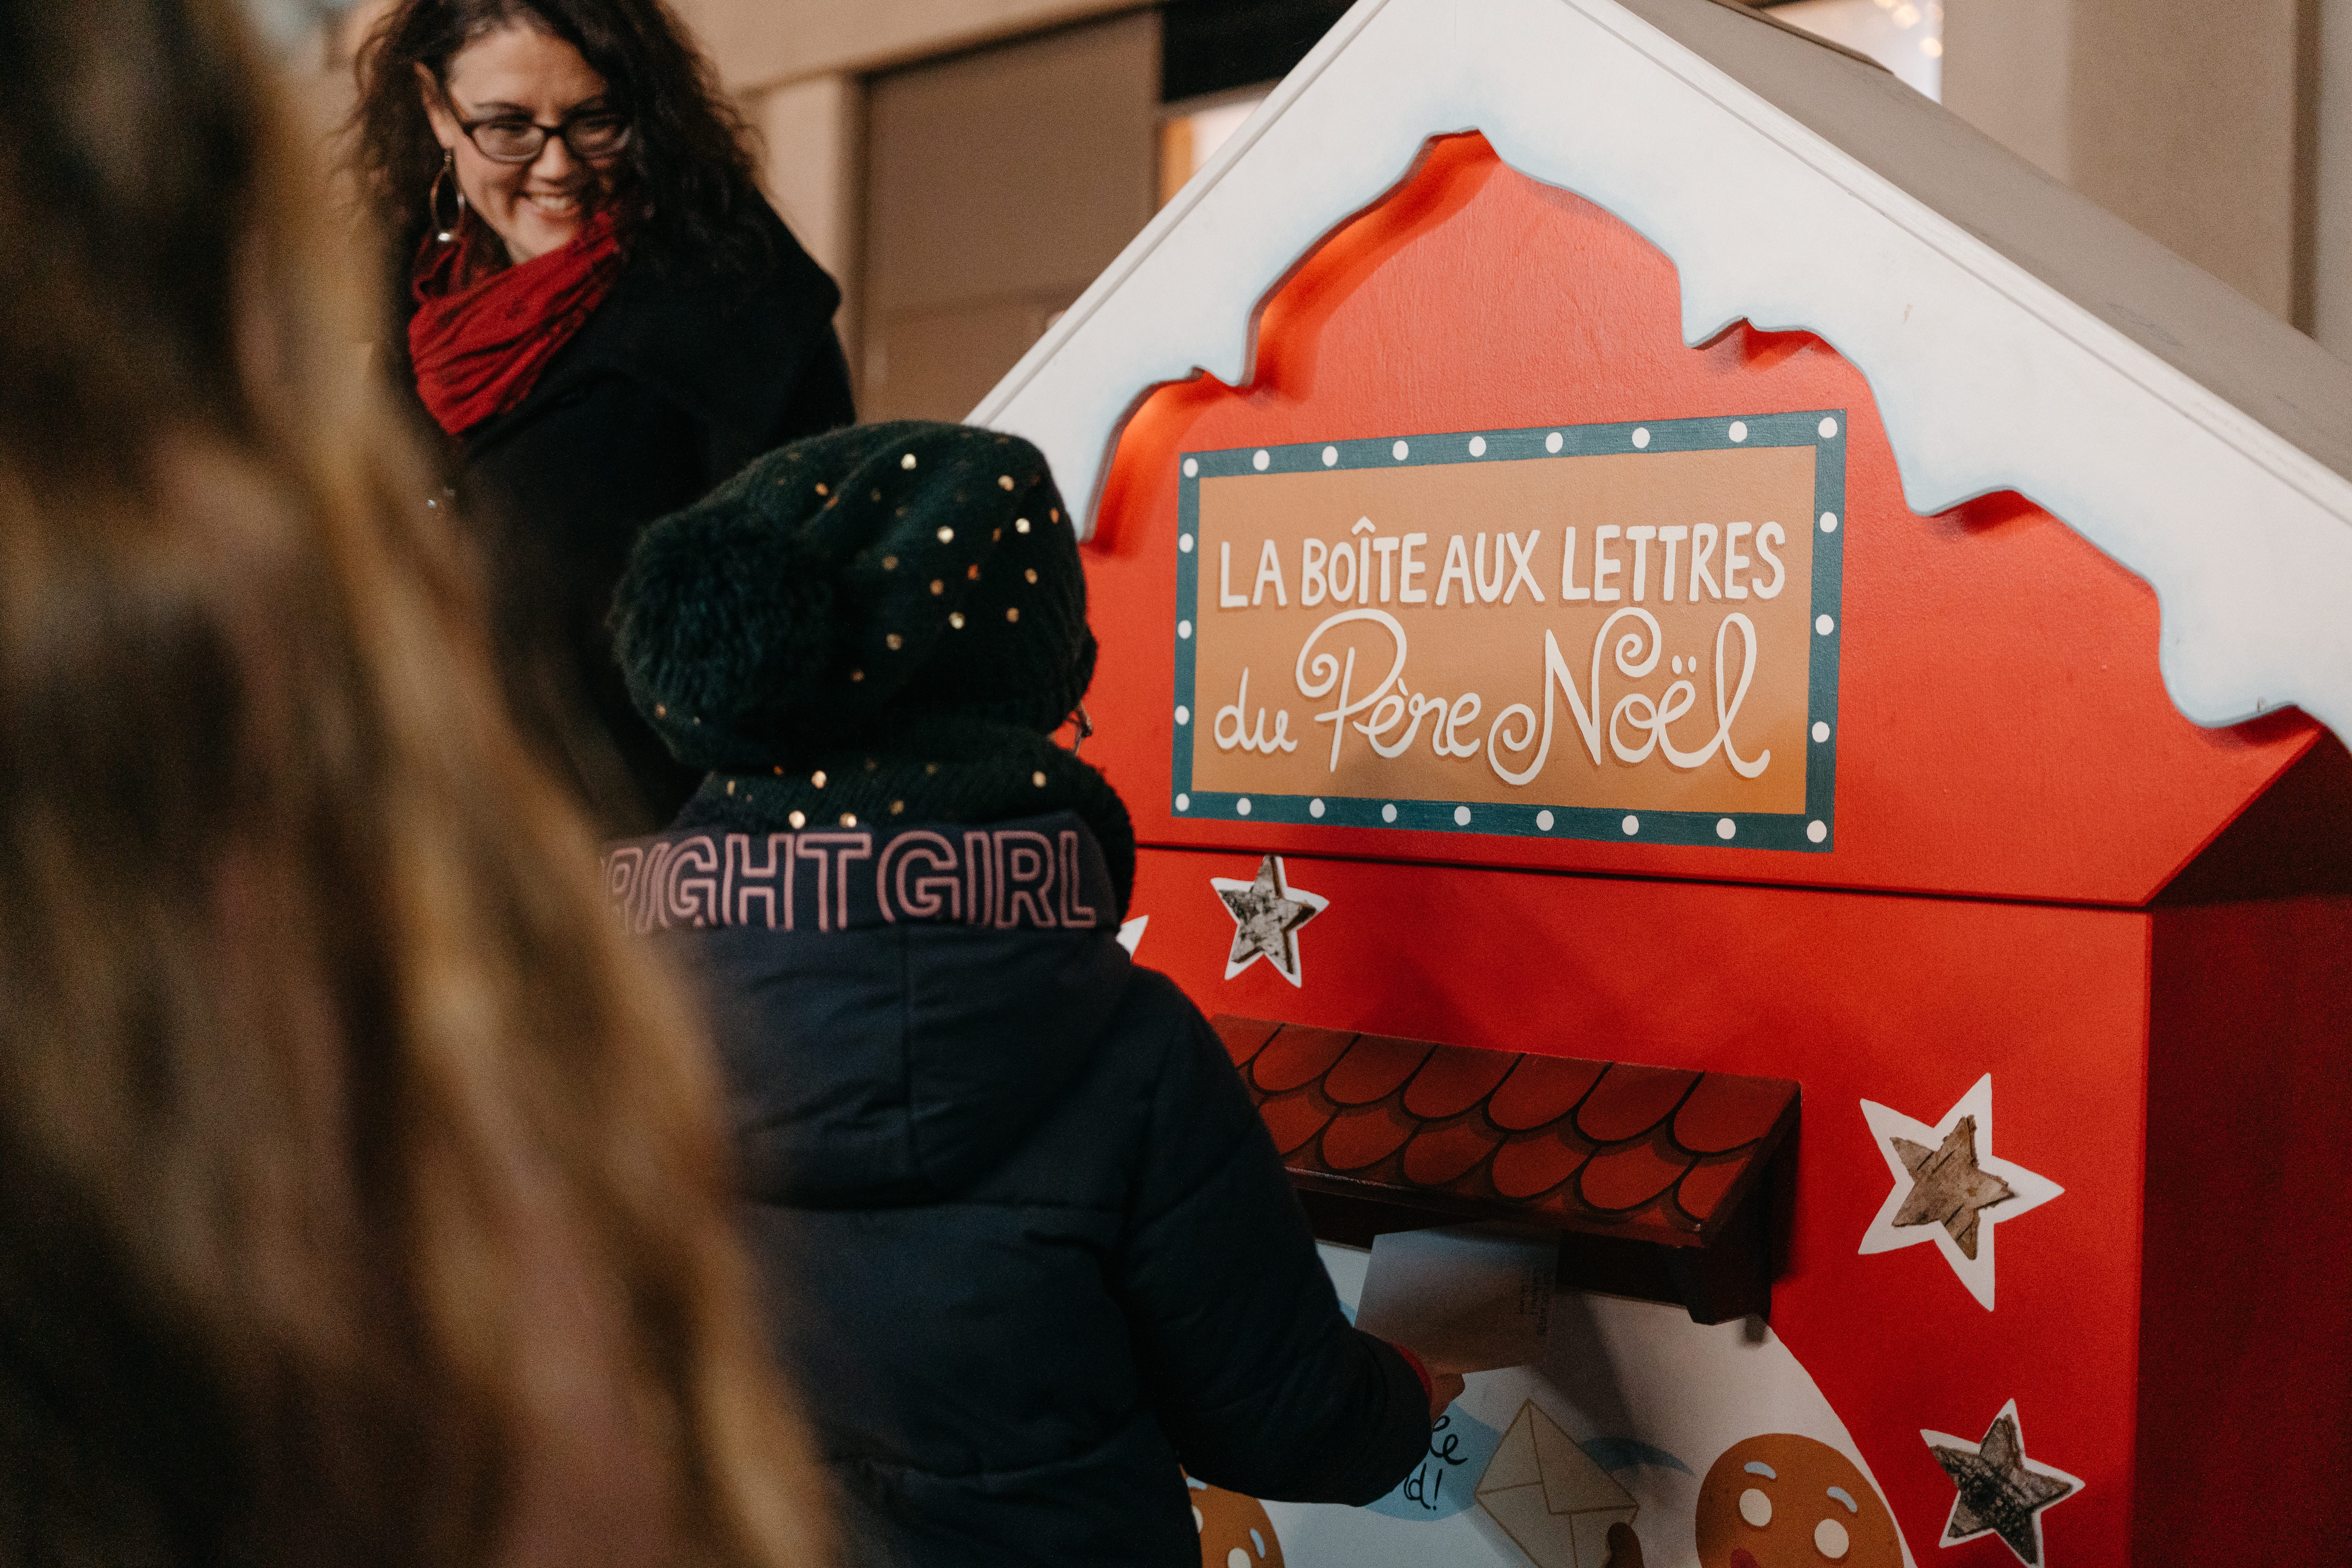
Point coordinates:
[(1599, 631)]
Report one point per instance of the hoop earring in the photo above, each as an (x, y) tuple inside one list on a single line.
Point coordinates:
[(444, 233)]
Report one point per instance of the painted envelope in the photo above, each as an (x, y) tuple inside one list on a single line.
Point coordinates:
[(1550, 1497)]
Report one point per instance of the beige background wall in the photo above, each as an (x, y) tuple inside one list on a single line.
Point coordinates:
[(815, 133), (2331, 216), (2006, 65), (2222, 128), (761, 44), (999, 183), (798, 67), (2181, 117)]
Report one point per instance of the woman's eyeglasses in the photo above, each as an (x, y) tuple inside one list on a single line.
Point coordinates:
[(592, 137)]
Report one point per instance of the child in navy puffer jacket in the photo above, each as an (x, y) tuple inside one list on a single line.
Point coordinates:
[(1029, 1247)]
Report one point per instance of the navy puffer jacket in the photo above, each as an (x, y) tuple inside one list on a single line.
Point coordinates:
[(1028, 1246)]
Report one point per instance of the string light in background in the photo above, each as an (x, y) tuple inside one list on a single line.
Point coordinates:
[(1906, 37)]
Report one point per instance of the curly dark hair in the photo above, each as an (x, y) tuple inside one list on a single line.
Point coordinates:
[(689, 155)]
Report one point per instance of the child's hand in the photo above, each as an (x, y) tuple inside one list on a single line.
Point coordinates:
[(1624, 1548), (1444, 1384)]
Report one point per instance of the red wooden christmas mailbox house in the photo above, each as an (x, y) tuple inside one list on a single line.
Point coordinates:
[(1703, 659)]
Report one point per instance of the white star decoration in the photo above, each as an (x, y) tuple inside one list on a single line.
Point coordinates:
[(1959, 1184), (1267, 913), (1999, 1491)]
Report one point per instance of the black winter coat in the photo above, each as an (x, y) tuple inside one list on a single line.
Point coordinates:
[(681, 377), (1028, 1245)]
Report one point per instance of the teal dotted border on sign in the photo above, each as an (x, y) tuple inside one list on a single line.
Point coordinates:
[(1751, 830)]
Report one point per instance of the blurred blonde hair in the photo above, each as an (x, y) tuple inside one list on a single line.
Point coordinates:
[(365, 1200)]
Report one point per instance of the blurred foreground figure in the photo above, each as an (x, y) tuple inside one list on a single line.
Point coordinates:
[(360, 1199)]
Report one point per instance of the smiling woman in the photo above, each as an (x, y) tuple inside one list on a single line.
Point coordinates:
[(533, 182), (598, 309)]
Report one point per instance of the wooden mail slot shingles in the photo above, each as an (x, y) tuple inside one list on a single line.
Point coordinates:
[(1657, 1154)]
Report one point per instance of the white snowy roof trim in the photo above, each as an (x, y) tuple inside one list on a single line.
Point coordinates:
[(2014, 335)]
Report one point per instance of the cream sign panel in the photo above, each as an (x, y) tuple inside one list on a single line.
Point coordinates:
[(1585, 631)]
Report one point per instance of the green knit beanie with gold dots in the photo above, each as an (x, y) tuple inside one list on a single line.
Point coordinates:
[(853, 585)]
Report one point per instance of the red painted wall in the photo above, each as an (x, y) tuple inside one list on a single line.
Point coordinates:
[(1903, 1000), (2245, 1419), (2002, 730), (2005, 746)]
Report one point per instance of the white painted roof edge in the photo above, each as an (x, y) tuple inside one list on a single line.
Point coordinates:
[(1989, 372)]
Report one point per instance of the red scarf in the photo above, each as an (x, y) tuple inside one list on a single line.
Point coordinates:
[(478, 343)]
